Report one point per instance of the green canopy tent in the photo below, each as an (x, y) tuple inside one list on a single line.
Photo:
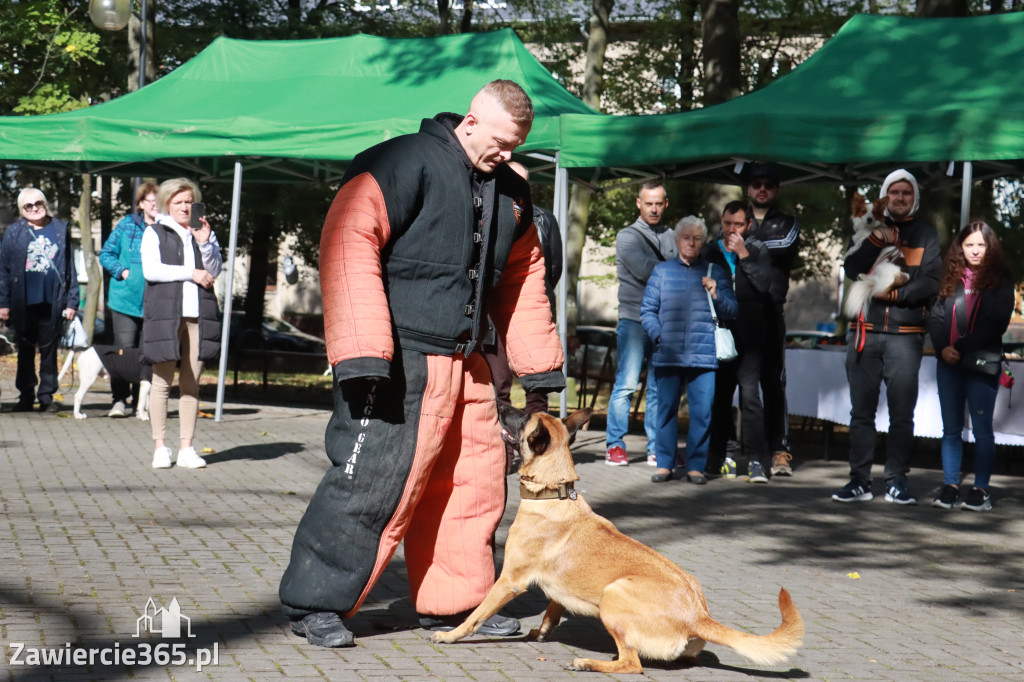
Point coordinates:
[(883, 91), (285, 111)]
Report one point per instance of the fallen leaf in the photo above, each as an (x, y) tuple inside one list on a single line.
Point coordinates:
[(207, 450), (264, 433), (542, 658), (853, 576)]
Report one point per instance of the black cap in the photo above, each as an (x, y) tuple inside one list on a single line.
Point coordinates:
[(764, 170)]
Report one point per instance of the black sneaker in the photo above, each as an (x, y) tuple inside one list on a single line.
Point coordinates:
[(23, 406), (49, 408), (324, 629), (977, 500), (495, 626), (755, 473), (947, 499), (897, 492), (854, 491)]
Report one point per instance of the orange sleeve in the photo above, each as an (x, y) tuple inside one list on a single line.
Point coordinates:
[(357, 319), (520, 306)]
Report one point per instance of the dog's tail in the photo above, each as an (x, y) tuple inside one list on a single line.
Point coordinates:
[(881, 278), (760, 649)]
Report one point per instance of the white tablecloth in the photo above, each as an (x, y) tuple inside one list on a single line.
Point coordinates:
[(816, 386)]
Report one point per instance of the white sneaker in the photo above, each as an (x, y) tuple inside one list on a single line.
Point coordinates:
[(652, 459), (118, 410), (162, 458), (188, 458)]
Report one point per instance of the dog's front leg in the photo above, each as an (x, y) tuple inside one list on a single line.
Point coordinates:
[(551, 618), (502, 593)]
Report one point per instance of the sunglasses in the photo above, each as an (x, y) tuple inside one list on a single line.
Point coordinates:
[(38, 204), (763, 184)]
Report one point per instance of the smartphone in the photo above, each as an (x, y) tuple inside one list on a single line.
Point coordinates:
[(198, 211)]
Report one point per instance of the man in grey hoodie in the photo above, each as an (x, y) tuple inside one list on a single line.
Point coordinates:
[(638, 248)]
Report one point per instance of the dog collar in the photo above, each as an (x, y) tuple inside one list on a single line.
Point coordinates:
[(565, 491)]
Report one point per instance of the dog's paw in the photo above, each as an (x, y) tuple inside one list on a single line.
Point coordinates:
[(142, 416), (442, 637), (536, 635), (580, 664), (80, 415)]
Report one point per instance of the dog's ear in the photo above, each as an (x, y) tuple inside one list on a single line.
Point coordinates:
[(539, 439), (511, 419), (575, 421)]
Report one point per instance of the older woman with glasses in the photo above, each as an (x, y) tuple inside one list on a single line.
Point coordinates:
[(677, 314), (38, 289), (181, 317), (122, 258)]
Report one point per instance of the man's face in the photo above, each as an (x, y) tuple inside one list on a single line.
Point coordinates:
[(735, 223), (493, 135), (763, 192), (901, 199), (652, 204)]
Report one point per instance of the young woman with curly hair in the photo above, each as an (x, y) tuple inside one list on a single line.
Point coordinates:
[(967, 325)]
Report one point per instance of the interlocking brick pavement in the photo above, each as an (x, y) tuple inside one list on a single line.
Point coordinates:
[(92, 532)]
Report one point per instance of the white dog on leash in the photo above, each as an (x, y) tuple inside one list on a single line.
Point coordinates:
[(90, 367)]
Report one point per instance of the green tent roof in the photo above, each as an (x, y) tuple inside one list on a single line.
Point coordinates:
[(303, 104), (883, 89)]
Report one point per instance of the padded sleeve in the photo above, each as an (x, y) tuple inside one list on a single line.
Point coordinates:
[(357, 318)]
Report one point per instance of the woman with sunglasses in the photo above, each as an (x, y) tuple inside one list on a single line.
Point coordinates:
[(38, 289), (122, 258), (966, 326)]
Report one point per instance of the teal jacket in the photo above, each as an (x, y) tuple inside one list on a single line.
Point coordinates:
[(122, 252)]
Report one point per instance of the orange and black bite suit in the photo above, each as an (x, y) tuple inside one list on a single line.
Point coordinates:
[(417, 250)]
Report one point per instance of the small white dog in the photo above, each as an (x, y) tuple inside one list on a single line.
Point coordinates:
[(131, 369), (888, 271)]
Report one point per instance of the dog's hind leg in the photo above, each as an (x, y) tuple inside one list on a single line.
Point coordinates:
[(502, 593), (628, 662), (551, 617)]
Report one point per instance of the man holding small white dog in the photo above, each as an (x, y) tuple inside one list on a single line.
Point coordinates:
[(886, 342)]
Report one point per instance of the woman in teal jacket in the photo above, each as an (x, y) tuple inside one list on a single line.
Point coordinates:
[(121, 257)]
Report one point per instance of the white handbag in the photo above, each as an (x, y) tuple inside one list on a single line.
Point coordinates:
[(725, 345), (74, 336)]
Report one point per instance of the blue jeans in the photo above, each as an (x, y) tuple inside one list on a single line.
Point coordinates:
[(956, 387), (633, 349), (699, 385)]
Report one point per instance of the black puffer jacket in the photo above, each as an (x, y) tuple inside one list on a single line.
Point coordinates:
[(995, 306)]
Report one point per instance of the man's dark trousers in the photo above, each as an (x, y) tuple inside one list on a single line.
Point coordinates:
[(895, 359)]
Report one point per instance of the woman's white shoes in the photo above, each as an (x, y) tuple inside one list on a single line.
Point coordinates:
[(187, 457)]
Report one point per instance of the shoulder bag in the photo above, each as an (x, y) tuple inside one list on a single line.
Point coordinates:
[(725, 345), (981, 360)]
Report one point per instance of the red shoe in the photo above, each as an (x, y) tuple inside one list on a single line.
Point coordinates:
[(616, 457)]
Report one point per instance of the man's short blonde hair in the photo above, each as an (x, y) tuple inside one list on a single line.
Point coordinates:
[(513, 99), (168, 188)]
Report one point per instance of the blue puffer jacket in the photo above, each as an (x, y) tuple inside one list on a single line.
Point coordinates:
[(676, 315), (122, 252)]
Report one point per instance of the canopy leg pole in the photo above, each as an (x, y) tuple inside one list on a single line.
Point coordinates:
[(965, 194), (561, 214), (236, 200)]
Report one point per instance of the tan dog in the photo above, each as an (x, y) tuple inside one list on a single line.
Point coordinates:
[(650, 606)]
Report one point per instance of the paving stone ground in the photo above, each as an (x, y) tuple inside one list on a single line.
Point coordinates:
[(91, 532)]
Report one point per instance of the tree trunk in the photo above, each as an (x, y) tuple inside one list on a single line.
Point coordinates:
[(579, 197), (722, 79), (686, 43), (942, 8), (444, 17), (467, 16), (721, 34), (263, 239), (92, 264)]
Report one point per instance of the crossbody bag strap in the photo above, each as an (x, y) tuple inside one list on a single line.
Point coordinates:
[(711, 303), (654, 247), (959, 312)]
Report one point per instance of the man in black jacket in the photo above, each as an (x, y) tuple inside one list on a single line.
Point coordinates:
[(886, 343), (780, 233)]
